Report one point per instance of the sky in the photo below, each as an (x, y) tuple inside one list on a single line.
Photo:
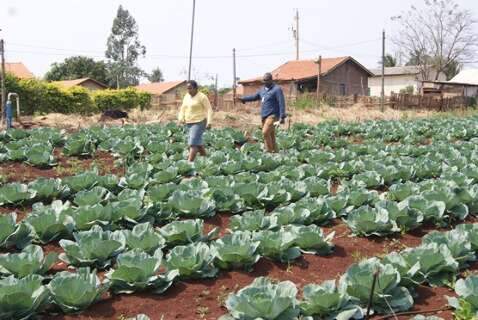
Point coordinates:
[(39, 33)]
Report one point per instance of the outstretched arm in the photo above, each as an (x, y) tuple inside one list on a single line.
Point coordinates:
[(254, 97)]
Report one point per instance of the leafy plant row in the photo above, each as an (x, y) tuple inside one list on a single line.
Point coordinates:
[(436, 262), (36, 146), (139, 263), (99, 201)]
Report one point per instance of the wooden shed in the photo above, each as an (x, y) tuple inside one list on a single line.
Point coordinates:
[(338, 77)]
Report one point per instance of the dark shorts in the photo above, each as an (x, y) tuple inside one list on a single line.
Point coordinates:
[(272, 118), (195, 133)]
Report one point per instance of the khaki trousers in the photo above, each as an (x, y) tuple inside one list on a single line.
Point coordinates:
[(269, 133)]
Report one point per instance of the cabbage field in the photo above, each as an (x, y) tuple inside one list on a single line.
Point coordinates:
[(137, 232)]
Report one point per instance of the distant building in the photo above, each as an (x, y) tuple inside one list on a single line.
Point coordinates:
[(399, 78), (88, 83), (228, 96), (19, 70), (338, 76), (164, 93), (464, 84), (469, 76)]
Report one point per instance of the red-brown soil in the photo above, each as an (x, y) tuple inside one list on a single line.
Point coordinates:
[(21, 212), (203, 299), (67, 166)]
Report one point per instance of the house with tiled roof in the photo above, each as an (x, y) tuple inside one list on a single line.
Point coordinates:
[(19, 70), (338, 76), (88, 83), (166, 93)]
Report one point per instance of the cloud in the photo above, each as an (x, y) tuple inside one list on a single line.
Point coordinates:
[(11, 11)]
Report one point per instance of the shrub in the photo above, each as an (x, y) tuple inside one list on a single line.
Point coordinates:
[(80, 101), (124, 99), (304, 102), (408, 90), (37, 96)]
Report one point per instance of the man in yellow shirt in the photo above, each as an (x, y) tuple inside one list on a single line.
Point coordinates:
[(196, 113)]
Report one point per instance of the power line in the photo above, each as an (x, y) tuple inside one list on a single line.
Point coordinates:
[(47, 53), (265, 46), (348, 52), (51, 48), (342, 46), (158, 56), (14, 44), (169, 56)]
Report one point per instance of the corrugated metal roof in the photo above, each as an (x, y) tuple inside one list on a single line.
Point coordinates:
[(158, 88), (304, 69), (469, 76), (19, 70), (396, 71)]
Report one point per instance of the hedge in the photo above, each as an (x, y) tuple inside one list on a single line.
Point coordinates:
[(41, 97), (124, 99)]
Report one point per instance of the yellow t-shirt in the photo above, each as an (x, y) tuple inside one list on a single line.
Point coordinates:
[(195, 109)]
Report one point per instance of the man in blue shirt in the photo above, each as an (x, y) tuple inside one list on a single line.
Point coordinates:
[(272, 110)]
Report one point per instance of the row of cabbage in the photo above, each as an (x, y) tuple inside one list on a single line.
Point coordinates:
[(97, 247), (66, 292), (107, 201), (137, 260), (436, 262), (36, 146), (375, 171)]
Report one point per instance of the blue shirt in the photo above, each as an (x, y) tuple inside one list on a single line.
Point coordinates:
[(272, 101)]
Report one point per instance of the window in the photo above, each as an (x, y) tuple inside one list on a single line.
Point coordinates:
[(342, 89)]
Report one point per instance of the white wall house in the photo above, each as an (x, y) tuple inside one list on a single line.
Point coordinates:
[(398, 78), (464, 84), (469, 78)]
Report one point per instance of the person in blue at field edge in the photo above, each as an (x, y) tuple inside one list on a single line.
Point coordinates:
[(272, 110)]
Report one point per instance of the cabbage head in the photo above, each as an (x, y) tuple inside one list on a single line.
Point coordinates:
[(195, 260), (74, 292), (138, 271), (22, 298), (236, 250), (263, 299)]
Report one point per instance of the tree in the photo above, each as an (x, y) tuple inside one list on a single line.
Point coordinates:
[(223, 91), (124, 49), (78, 67), (156, 75), (415, 58), (452, 69), (390, 61), (436, 36)]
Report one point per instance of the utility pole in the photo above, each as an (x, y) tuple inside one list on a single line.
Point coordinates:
[(192, 38), (215, 92), (382, 95), (234, 81), (319, 71), (3, 89), (295, 31)]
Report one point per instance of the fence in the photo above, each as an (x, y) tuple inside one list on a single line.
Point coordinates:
[(407, 101), (309, 100)]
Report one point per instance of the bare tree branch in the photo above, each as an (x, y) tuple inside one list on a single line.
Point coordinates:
[(438, 36)]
